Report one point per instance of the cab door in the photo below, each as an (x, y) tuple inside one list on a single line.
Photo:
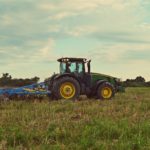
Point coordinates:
[(84, 76)]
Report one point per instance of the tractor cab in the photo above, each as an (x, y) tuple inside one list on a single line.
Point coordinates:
[(74, 65)]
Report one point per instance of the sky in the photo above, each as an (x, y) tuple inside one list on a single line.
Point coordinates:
[(114, 34)]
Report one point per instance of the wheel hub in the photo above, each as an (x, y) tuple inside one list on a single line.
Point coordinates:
[(67, 90), (106, 92)]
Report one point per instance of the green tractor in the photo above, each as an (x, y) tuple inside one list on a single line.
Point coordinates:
[(75, 79)]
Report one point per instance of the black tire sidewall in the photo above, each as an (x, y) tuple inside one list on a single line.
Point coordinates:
[(57, 84), (101, 86)]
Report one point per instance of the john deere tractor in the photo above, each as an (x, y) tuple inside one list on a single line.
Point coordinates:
[(75, 79)]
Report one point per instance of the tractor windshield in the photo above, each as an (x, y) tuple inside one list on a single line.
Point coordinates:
[(62, 67), (71, 67), (75, 67)]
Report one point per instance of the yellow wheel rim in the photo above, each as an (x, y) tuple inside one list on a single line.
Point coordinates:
[(106, 92), (67, 90)]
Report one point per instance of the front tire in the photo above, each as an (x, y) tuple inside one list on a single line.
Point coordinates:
[(66, 88), (105, 91)]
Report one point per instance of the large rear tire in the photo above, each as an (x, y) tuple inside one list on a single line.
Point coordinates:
[(105, 91), (66, 88)]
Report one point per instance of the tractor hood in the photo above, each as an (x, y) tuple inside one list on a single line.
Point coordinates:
[(99, 76), (113, 80), (102, 75)]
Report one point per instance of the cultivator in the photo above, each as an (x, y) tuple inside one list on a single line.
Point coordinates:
[(34, 91)]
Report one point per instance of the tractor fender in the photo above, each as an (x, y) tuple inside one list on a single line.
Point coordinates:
[(49, 81), (98, 83), (67, 75), (95, 86)]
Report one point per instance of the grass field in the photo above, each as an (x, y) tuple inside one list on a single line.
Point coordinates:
[(119, 124)]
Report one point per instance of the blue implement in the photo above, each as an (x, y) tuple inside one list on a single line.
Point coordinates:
[(39, 89)]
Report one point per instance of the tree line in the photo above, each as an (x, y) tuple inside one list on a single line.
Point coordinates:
[(137, 82), (7, 81)]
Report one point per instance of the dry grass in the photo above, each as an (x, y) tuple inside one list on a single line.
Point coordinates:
[(119, 124)]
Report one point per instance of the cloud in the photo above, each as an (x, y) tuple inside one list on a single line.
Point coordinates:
[(121, 53), (54, 28), (46, 6), (82, 5), (30, 53), (6, 20), (82, 30), (33, 32), (63, 15), (47, 51)]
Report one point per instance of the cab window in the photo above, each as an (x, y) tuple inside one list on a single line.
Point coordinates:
[(80, 67), (62, 67), (72, 67)]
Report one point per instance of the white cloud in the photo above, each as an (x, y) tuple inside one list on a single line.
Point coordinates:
[(6, 20), (46, 6), (82, 30), (33, 52), (118, 52), (86, 5), (62, 15), (54, 28), (46, 51), (145, 26)]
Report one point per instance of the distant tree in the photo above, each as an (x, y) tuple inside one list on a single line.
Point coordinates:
[(7, 80), (35, 79), (148, 84), (137, 82), (6, 76), (139, 79)]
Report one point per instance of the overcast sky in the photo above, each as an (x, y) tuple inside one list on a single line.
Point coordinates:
[(115, 34)]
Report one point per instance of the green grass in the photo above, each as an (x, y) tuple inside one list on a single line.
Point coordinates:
[(119, 124)]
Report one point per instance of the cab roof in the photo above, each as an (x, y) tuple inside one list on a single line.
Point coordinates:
[(70, 59)]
